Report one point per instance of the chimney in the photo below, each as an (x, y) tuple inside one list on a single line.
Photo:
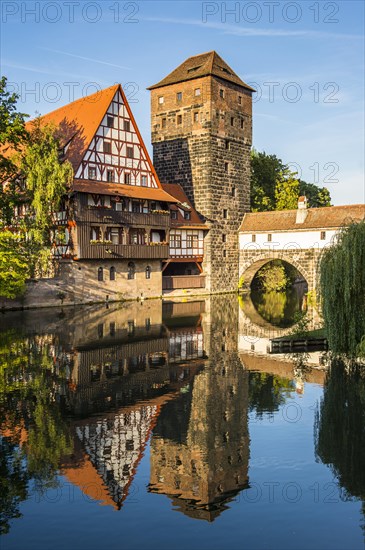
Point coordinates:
[(302, 211)]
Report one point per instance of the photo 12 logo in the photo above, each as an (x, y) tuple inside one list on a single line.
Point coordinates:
[(69, 12)]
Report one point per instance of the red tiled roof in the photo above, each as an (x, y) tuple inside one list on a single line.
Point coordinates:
[(178, 192), (317, 218), (205, 64), (134, 191)]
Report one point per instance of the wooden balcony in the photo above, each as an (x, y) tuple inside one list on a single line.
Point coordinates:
[(111, 216), (182, 281), (120, 251)]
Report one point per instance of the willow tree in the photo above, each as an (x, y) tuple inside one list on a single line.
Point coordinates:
[(14, 264), (342, 290)]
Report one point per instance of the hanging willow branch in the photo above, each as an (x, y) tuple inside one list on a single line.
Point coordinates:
[(342, 288)]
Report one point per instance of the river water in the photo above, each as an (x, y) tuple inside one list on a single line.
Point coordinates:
[(171, 425)]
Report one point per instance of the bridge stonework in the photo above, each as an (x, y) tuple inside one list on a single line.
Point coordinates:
[(306, 261)]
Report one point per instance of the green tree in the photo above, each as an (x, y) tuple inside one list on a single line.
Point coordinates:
[(14, 264), (286, 191), (342, 291), (265, 170), (317, 196)]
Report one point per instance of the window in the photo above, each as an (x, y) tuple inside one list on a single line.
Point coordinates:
[(197, 92), (173, 214), (95, 233), (136, 207), (221, 93), (131, 271), (144, 181), (233, 192), (227, 145), (110, 176), (148, 272), (323, 235), (127, 126), (196, 117), (232, 121), (100, 330), (161, 100), (192, 240), (112, 328), (163, 123), (253, 238), (187, 216), (224, 253), (100, 274), (112, 273), (239, 100), (130, 154), (110, 121), (242, 123), (224, 238), (127, 178), (225, 213), (226, 166), (114, 233), (175, 240), (92, 172), (269, 238), (179, 119), (148, 323), (179, 96), (107, 147)]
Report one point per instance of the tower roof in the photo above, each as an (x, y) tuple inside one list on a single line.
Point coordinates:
[(205, 64)]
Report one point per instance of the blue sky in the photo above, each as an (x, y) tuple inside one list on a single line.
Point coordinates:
[(305, 58)]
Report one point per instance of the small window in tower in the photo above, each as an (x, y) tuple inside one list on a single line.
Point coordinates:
[(225, 213), (110, 176), (92, 172), (239, 100), (179, 96), (107, 147), (163, 123), (179, 119), (161, 100), (196, 117), (269, 238), (197, 92), (242, 123), (226, 166), (127, 126), (130, 154), (323, 235), (221, 93), (227, 145), (127, 178), (144, 181), (110, 121), (224, 238), (232, 121), (224, 253), (253, 238), (233, 192)]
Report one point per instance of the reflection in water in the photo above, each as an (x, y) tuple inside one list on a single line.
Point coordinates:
[(281, 309), (83, 393)]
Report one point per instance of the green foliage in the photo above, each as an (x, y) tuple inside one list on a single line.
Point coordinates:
[(12, 130), (47, 179), (273, 276), (268, 392), (342, 290), (14, 264), (286, 191), (275, 187)]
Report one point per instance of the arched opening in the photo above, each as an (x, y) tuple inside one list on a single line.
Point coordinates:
[(131, 270), (148, 272), (100, 274), (112, 273)]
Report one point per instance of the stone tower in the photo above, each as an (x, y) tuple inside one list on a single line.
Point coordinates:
[(201, 121)]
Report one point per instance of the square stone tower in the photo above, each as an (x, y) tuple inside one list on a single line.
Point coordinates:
[(201, 123)]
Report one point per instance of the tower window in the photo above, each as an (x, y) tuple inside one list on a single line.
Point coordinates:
[(224, 253), (221, 93), (130, 152), (161, 100), (224, 238), (253, 238), (112, 273), (110, 121), (323, 235), (179, 96), (239, 100), (127, 126), (225, 213), (107, 147), (227, 145), (179, 119), (269, 238), (233, 192), (232, 121), (163, 123), (226, 166), (242, 123), (110, 176), (197, 92), (196, 117), (148, 272)]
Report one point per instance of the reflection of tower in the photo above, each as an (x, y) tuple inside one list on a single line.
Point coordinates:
[(200, 445)]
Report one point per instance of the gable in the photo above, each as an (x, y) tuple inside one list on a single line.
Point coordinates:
[(116, 153)]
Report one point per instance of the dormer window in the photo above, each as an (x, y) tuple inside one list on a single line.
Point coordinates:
[(173, 215), (110, 121), (187, 216), (92, 172)]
